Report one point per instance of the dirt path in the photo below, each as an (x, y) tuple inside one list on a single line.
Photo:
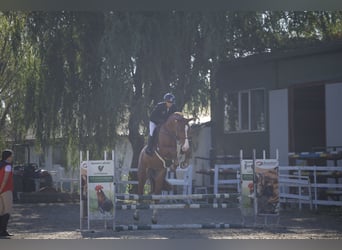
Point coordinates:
[(61, 221)]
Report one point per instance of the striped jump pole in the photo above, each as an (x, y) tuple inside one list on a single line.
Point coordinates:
[(174, 196), (140, 205), (173, 206), (177, 226)]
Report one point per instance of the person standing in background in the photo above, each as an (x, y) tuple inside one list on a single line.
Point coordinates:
[(6, 190)]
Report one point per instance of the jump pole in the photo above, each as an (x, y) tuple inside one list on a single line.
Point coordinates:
[(177, 226), (173, 206), (175, 196), (81, 202)]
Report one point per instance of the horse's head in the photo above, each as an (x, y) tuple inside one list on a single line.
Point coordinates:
[(180, 126)]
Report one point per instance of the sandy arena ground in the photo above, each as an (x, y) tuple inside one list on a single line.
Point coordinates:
[(62, 221)]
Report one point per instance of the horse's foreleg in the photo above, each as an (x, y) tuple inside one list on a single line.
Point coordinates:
[(142, 177), (159, 184)]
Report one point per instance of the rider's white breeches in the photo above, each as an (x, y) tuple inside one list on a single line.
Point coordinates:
[(152, 127)]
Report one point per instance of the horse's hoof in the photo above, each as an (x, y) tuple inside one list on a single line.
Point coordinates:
[(154, 221)]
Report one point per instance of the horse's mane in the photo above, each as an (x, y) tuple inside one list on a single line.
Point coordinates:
[(178, 113)]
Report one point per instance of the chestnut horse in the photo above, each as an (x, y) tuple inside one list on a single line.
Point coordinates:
[(172, 149)]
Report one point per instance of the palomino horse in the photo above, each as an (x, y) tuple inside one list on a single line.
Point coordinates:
[(172, 144)]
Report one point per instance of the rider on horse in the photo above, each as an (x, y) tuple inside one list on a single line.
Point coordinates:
[(158, 116)]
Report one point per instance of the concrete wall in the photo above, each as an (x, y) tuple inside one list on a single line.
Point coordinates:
[(123, 157), (201, 144), (310, 68)]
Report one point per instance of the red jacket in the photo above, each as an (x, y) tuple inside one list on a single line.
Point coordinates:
[(9, 184)]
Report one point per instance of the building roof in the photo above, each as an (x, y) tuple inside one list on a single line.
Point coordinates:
[(326, 47)]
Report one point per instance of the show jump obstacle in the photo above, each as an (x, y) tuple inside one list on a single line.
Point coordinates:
[(98, 201)]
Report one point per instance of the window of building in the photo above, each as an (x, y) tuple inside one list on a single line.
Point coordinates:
[(244, 111)]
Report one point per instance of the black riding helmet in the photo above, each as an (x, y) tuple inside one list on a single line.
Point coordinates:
[(168, 97)]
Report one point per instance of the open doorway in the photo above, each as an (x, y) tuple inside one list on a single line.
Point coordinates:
[(307, 118)]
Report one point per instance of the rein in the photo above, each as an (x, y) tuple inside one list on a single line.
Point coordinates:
[(161, 158)]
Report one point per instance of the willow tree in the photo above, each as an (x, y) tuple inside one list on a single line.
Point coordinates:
[(158, 52), (68, 99), (17, 64)]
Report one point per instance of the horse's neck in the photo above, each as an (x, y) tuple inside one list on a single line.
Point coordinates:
[(166, 137), (166, 129)]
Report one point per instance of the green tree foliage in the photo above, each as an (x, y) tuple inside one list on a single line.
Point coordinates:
[(16, 70), (67, 98), (160, 52)]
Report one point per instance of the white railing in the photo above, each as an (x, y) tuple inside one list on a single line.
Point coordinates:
[(295, 188), (224, 169), (121, 179), (182, 178), (60, 177), (319, 186)]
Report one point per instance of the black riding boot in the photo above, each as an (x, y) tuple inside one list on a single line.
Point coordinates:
[(149, 146), (3, 225)]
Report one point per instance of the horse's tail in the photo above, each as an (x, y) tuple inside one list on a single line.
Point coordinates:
[(141, 156), (141, 171)]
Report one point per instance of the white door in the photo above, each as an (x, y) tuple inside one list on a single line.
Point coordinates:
[(333, 112), (279, 120)]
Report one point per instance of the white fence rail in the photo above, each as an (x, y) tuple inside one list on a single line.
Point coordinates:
[(324, 192), (312, 185), (295, 188), (121, 179), (233, 169)]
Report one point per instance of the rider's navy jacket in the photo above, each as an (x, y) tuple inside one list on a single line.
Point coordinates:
[(160, 112)]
